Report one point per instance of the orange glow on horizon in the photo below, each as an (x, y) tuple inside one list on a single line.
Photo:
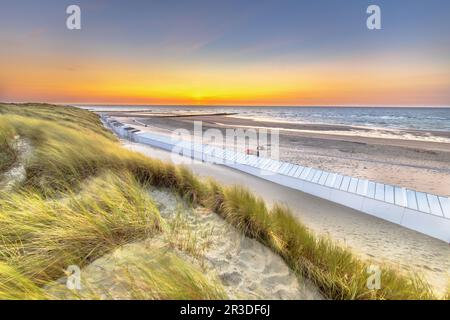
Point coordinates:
[(54, 78)]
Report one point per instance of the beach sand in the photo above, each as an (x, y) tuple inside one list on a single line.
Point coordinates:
[(413, 159), (370, 238)]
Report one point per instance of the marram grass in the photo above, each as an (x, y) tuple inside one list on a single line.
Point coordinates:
[(42, 236), (334, 270), (168, 277), (84, 195), (78, 202), (15, 286), (8, 152)]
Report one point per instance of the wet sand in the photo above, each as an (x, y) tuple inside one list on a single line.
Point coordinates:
[(413, 159)]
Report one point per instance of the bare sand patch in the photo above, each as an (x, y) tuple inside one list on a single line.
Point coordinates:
[(16, 174), (245, 268)]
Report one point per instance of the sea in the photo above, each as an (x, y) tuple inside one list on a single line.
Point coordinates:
[(404, 118)]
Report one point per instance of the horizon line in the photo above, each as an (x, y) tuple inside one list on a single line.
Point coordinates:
[(228, 105)]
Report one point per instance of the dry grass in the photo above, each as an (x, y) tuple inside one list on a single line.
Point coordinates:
[(168, 277), (42, 236), (15, 286)]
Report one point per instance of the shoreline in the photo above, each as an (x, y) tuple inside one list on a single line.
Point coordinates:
[(418, 165), (268, 121), (337, 131)]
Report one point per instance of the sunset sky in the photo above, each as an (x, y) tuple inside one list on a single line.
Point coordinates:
[(246, 52)]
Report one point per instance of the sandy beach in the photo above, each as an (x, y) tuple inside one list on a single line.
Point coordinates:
[(413, 159)]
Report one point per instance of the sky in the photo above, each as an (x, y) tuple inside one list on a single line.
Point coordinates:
[(228, 52)]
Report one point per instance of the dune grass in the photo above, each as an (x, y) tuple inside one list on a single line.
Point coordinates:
[(165, 276), (8, 151), (334, 270), (56, 205), (66, 116), (78, 202), (41, 237), (168, 277), (15, 286)]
